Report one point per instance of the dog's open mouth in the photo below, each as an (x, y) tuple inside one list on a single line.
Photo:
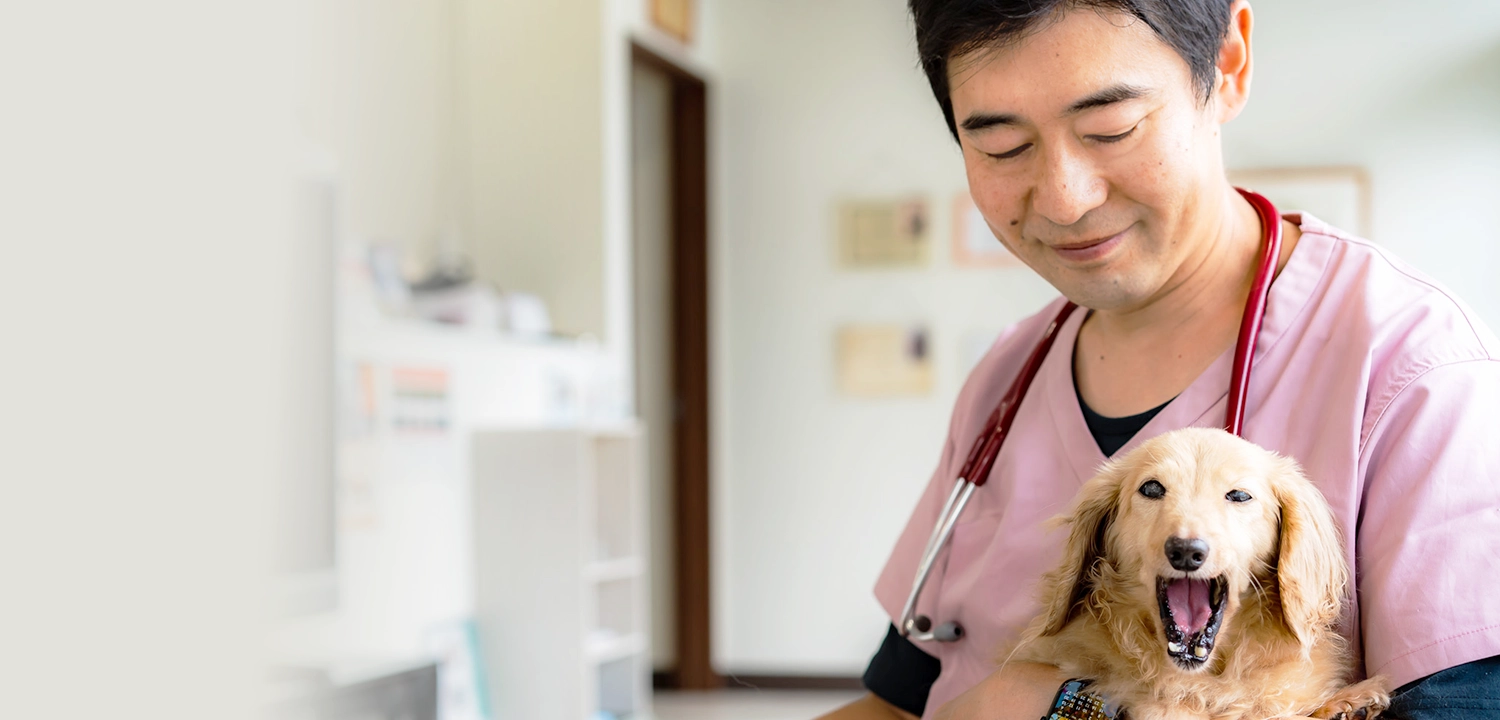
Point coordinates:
[(1192, 610)]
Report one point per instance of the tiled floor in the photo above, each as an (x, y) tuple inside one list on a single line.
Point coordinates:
[(741, 704)]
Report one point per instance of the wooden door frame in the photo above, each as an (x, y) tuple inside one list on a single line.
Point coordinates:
[(689, 299)]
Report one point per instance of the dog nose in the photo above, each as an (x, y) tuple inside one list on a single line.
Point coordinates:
[(1186, 555)]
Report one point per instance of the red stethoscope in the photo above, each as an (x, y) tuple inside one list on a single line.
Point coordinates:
[(976, 469)]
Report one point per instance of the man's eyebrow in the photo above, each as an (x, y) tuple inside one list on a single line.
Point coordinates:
[(1107, 96), (985, 121)]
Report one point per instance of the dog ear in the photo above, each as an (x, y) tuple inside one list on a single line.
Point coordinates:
[(1067, 586), (1310, 568)]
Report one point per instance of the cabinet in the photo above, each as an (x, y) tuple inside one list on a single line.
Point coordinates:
[(561, 588)]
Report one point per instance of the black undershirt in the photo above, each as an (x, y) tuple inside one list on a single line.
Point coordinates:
[(902, 674), (1111, 433)]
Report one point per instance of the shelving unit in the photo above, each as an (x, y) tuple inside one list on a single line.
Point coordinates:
[(560, 579)]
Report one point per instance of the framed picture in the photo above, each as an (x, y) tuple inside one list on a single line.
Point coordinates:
[(1339, 196), (674, 17), (883, 233), (883, 360), (974, 244)]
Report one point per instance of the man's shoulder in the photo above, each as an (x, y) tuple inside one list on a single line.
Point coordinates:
[(1406, 323), (1400, 312)]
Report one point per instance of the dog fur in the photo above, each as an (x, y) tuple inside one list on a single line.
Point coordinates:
[(1277, 650)]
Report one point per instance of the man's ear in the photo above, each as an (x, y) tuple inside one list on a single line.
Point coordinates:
[(1234, 69), (1064, 588)]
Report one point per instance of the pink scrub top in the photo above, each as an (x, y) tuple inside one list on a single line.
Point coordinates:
[(1384, 386)]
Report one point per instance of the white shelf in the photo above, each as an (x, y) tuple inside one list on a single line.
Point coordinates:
[(617, 569), (562, 590), (602, 648)]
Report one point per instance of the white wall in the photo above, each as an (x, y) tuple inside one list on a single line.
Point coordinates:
[(532, 98), (376, 92), (145, 317), (824, 100)]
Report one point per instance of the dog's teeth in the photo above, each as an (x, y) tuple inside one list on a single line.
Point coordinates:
[(1200, 652), (1175, 647)]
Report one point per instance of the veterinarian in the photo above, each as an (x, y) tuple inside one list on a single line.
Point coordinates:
[(1090, 132)]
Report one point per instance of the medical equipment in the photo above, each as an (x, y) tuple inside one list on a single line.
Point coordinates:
[(976, 468)]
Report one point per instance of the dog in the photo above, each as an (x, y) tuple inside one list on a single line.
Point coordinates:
[(1203, 576)]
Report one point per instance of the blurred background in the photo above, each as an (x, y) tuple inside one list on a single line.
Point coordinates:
[(549, 359)]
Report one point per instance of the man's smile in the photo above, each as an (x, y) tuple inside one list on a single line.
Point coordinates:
[(1087, 251)]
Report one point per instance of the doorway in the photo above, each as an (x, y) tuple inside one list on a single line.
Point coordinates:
[(669, 166)]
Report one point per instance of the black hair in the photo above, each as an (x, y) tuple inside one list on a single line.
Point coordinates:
[(1195, 29)]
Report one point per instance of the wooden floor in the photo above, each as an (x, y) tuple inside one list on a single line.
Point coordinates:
[(742, 704)]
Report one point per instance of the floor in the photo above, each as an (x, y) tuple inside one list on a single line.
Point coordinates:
[(743, 704)]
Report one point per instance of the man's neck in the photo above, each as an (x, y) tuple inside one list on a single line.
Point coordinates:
[(1133, 359), (1209, 287)]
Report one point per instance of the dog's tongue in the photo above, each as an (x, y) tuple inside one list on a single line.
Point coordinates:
[(1188, 598)]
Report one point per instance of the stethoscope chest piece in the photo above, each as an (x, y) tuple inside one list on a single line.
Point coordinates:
[(920, 628)]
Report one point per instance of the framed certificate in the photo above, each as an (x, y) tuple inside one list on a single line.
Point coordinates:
[(1339, 196), (674, 17)]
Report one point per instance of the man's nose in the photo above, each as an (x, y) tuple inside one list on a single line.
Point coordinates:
[(1068, 187), (1186, 554)]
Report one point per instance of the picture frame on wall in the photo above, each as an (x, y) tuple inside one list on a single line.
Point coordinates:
[(883, 233), (974, 244), (883, 360), (674, 17), (1339, 196)]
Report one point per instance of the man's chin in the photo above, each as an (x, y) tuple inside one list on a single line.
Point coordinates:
[(1108, 292)]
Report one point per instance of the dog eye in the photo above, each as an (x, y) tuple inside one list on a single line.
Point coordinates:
[(1237, 496), (1153, 489)]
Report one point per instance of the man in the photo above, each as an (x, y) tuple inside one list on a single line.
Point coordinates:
[(1090, 134)]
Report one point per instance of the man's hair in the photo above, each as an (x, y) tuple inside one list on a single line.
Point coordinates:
[(1195, 29)]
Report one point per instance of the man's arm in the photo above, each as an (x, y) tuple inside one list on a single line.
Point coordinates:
[(1019, 691), (869, 707), (1016, 692)]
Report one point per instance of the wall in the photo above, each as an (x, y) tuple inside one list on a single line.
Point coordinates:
[(377, 94), (824, 100), (149, 352), (531, 108)]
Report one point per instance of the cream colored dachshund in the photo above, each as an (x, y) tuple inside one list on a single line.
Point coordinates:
[(1203, 577)]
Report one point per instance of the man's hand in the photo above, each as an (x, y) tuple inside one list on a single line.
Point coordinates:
[(1018, 691)]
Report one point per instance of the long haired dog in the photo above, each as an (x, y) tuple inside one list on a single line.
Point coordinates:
[(1203, 576)]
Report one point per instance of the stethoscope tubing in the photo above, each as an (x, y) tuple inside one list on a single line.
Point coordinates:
[(1255, 311), (976, 468)]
